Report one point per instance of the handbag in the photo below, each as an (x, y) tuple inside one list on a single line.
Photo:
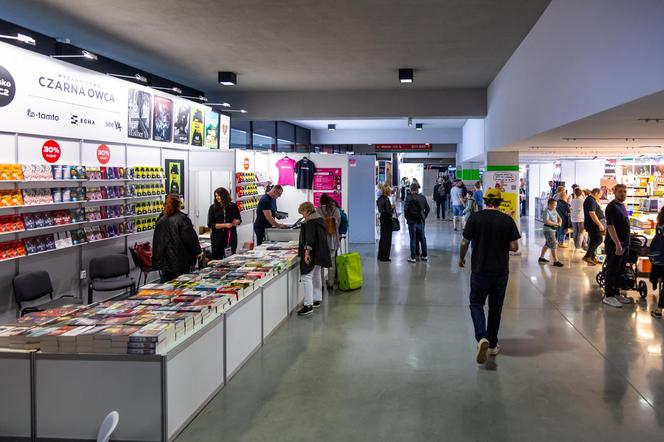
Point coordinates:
[(396, 224)]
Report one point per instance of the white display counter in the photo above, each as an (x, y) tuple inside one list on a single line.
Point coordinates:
[(156, 395)]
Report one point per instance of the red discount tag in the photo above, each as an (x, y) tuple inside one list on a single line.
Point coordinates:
[(103, 154), (51, 151)]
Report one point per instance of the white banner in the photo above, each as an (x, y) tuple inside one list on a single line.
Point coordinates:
[(44, 96)]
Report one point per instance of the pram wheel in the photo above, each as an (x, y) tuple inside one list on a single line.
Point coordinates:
[(642, 289), (600, 279)]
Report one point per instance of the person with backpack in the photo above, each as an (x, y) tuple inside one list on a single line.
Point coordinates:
[(331, 215), (314, 254), (416, 210), (439, 198), (657, 258)]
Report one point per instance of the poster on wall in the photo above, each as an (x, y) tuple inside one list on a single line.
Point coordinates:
[(212, 130), (163, 119), (508, 182), (175, 177), (197, 126), (224, 132), (181, 123), (336, 196), (327, 180), (139, 108)]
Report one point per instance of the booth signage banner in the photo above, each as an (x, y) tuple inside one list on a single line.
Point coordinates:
[(402, 147), (44, 96), (508, 181)]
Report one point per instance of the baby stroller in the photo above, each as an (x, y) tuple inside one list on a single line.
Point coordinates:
[(637, 247)]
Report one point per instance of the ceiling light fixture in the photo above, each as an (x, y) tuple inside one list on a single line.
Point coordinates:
[(406, 75), (84, 54), (199, 98), (242, 111), (137, 77), (331, 127), (177, 90), (227, 78), (22, 38), (224, 104), (419, 126)]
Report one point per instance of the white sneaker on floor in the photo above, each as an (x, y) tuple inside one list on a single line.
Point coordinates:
[(494, 351), (482, 348), (424, 258), (412, 260), (612, 301), (624, 299)]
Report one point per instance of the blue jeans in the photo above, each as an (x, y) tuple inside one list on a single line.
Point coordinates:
[(482, 287), (561, 234), (417, 238)]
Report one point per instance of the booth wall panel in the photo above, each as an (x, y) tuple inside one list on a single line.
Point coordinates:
[(275, 304), (74, 395), (362, 204), (7, 148), (89, 155), (62, 266), (30, 150), (15, 387), (243, 333)]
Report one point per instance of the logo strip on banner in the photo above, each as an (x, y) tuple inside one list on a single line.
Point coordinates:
[(499, 168), (402, 147)]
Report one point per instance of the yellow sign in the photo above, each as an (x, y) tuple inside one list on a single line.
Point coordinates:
[(510, 205)]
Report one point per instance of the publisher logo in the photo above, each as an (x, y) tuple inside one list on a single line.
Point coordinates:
[(103, 154), (246, 163), (224, 129), (7, 87), (114, 125), (78, 120), (42, 116), (51, 151)]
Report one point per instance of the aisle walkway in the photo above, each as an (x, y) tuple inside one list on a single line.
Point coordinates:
[(395, 361)]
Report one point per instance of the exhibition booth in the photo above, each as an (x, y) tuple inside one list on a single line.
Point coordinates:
[(85, 162)]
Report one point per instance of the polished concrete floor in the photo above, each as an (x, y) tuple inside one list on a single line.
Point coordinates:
[(395, 361)]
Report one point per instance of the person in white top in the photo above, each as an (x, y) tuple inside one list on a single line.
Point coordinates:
[(458, 204), (576, 215)]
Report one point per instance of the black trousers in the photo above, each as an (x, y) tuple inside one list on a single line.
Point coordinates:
[(440, 209), (219, 239), (594, 240), (615, 266), (385, 242)]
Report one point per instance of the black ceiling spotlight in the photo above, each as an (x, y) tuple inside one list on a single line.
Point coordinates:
[(227, 78), (84, 54), (331, 127), (22, 38), (406, 75), (419, 126)]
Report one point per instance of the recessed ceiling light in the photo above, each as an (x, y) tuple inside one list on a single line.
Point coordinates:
[(419, 126), (406, 75), (227, 78), (331, 127)]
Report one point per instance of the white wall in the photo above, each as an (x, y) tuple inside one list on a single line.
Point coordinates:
[(472, 148), (580, 58), (386, 136)]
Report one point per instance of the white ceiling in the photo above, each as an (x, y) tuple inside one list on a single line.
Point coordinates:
[(382, 123)]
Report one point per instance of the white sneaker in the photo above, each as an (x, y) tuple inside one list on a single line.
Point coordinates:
[(412, 260), (612, 301), (424, 258), (482, 348), (624, 299), (494, 351)]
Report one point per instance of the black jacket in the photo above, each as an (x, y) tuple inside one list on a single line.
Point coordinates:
[(424, 208), (221, 215), (384, 207), (314, 236), (437, 197), (175, 244)]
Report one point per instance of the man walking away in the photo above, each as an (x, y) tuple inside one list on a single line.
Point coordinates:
[(478, 196), (447, 185), (493, 236), (416, 210), (458, 204), (592, 221), (439, 198), (617, 247)]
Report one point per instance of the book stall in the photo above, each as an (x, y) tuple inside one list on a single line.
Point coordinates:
[(156, 357)]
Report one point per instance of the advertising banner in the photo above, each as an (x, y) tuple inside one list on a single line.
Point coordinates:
[(224, 132), (402, 147), (508, 182), (175, 177), (47, 97)]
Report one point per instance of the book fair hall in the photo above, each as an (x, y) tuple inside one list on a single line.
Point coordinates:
[(341, 221)]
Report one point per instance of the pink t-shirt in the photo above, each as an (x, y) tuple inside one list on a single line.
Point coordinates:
[(286, 168)]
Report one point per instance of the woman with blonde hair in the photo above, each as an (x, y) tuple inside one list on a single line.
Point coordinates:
[(385, 210), (314, 254)]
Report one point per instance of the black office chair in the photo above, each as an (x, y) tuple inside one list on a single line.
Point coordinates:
[(31, 286), (145, 271), (110, 273)]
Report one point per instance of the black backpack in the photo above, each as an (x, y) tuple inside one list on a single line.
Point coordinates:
[(413, 209)]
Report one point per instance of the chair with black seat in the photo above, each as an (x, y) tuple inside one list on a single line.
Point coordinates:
[(145, 271), (31, 286), (110, 273)]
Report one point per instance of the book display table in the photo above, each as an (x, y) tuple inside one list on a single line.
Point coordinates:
[(64, 395)]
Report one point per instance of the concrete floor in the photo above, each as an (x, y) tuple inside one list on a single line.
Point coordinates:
[(395, 361)]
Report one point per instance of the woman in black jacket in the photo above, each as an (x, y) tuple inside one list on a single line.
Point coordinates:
[(175, 243), (314, 253), (385, 210), (223, 217)]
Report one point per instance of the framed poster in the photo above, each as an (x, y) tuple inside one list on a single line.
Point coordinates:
[(162, 119), (224, 132), (212, 130), (197, 126), (175, 177), (181, 123), (139, 110)]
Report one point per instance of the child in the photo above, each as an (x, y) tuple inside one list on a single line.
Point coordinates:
[(469, 209), (551, 223)]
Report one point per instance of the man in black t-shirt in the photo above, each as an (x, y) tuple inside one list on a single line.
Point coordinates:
[(617, 247), (493, 235), (593, 218), (266, 212)]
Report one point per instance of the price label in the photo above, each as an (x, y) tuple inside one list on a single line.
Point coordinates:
[(51, 151), (103, 154)]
